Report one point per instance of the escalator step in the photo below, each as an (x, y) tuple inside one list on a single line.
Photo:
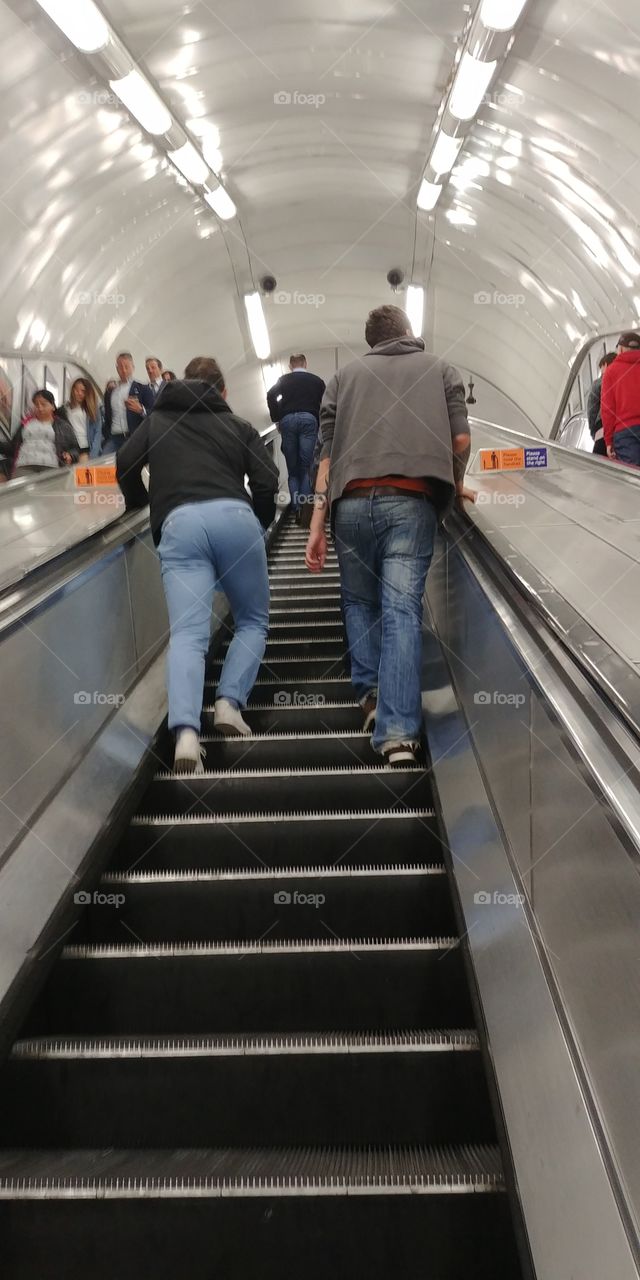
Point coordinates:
[(291, 671), (321, 1090), (247, 790), (266, 717), (290, 750), (286, 903), (204, 988), (210, 841)]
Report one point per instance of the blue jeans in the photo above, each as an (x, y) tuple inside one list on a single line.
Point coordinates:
[(384, 546), (113, 443), (627, 445), (207, 546), (298, 432)]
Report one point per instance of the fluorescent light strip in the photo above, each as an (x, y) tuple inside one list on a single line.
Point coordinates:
[(428, 195), (470, 85), (500, 15), (257, 325), (143, 102), (415, 308), (80, 21), (190, 163), (220, 201), (445, 153)]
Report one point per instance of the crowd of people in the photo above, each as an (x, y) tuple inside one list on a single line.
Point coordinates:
[(382, 449), (390, 438), (86, 426)]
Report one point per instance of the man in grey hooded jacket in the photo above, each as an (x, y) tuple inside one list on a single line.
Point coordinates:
[(395, 446)]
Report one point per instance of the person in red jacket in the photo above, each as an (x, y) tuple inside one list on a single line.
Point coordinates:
[(620, 401)]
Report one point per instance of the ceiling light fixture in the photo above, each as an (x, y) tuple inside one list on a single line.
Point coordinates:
[(220, 201), (415, 308), (80, 21), (143, 102), (501, 15), (428, 195), (470, 85), (190, 163), (445, 153), (257, 325)]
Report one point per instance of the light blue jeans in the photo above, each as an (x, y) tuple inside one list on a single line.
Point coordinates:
[(298, 433), (385, 546), (207, 546)]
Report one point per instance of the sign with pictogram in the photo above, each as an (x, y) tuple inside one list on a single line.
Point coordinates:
[(100, 475), (513, 459)]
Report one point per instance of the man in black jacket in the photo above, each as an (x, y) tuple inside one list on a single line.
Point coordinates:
[(209, 534), (294, 404), (125, 406)]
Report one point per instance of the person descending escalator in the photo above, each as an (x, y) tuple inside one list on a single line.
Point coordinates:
[(593, 407), (43, 442), (209, 534), (395, 445)]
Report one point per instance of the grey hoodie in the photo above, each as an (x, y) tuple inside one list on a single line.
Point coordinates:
[(394, 411)]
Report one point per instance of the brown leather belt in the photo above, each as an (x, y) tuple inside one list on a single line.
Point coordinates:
[(384, 491)]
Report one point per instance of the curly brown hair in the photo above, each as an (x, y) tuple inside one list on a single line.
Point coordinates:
[(385, 323)]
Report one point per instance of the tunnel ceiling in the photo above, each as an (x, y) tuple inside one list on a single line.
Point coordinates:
[(325, 114)]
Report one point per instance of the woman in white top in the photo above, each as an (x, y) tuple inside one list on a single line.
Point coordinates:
[(82, 412)]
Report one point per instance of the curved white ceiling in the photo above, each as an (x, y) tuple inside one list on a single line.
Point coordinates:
[(105, 247)]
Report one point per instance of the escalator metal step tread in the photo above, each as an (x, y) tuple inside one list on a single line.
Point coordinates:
[(55, 1047), (304, 771), (302, 815), (258, 946), (270, 873), (272, 1171)]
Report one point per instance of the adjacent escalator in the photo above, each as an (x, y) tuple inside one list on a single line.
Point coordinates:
[(256, 1053)]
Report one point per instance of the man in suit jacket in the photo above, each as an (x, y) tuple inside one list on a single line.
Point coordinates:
[(125, 406)]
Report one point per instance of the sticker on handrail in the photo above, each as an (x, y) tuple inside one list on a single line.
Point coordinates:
[(101, 475), (529, 458)]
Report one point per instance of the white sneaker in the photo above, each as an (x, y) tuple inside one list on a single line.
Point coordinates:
[(188, 757), (227, 720)]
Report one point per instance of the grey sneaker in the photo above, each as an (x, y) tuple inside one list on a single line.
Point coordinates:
[(227, 720), (400, 755)]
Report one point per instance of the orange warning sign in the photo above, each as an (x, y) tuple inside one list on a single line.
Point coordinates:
[(502, 459), (105, 474)]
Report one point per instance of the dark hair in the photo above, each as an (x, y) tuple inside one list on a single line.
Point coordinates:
[(124, 355), (45, 395), (169, 375), (158, 362), (630, 339), (205, 369), (110, 384), (385, 323), (607, 359), (297, 362)]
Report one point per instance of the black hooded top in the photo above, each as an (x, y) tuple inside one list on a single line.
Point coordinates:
[(197, 449)]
